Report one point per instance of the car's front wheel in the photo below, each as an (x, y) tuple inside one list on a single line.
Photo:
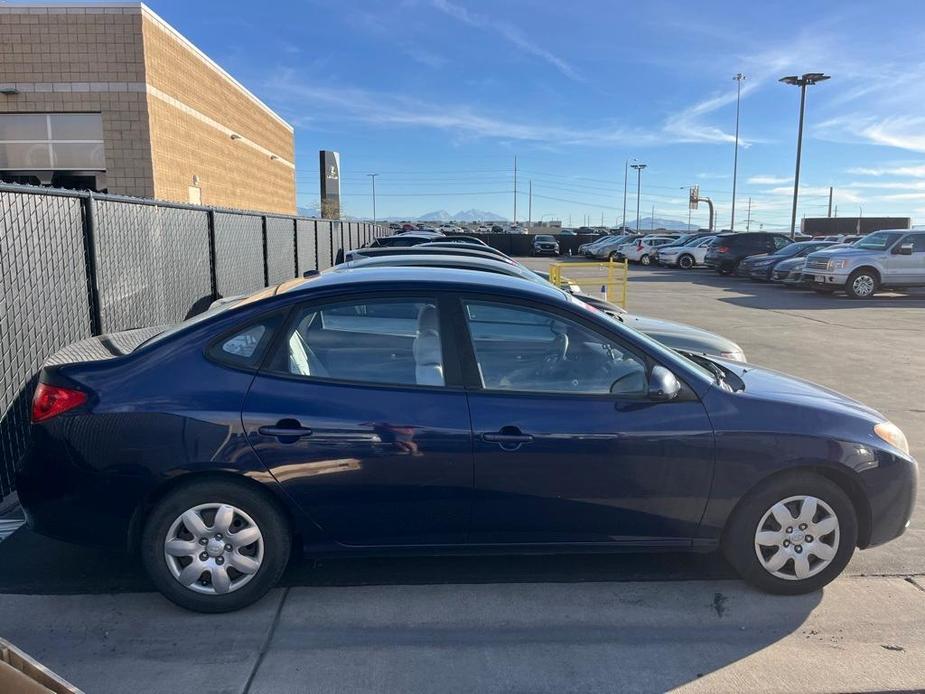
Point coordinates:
[(793, 534), (645, 260), (686, 262), (215, 545), (862, 284)]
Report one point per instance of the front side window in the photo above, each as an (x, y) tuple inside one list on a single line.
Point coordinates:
[(395, 341), (523, 349)]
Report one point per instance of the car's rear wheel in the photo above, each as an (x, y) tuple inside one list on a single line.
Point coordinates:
[(686, 262), (614, 255), (215, 545), (793, 534), (861, 284), (645, 260), (725, 269)]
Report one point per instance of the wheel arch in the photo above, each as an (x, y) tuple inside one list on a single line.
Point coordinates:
[(871, 269), (137, 522), (844, 478)]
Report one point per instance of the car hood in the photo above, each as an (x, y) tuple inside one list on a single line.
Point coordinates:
[(761, 382), (791, 263), (681, 336), (842, 252)]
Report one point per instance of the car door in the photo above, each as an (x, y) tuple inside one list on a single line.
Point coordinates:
[(360, 415), (567, 447), (906, 269)]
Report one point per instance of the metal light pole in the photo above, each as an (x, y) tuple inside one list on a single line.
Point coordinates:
[(372, 177), (639, 168), (739, 78), (626, 169), (807, 79)]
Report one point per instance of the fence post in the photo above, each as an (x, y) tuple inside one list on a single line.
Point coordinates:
[(266, 261), (213, 276), (89, 235), (295, 245)]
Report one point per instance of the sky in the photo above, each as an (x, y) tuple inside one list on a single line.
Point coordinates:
[(438, 97)]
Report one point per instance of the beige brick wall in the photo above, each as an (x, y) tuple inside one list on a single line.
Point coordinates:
[(167, 112), (60, 60), (231, 173)]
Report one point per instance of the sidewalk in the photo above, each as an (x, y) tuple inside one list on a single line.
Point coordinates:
[(861, 634)]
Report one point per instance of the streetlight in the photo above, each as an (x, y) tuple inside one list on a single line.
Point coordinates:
[(809, 78), (372, 177), (639, 168), (739, 78), (689, 190)]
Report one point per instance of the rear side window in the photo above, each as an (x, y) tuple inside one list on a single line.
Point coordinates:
[(385, 341), (245, 347)]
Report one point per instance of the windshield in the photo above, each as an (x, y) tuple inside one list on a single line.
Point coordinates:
[(789, 250), (878, 241), (544, 237)]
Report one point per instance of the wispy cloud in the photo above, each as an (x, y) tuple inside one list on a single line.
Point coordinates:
[(916, 170), (687, 125), (705, 175), (765, 180), (510, 33)]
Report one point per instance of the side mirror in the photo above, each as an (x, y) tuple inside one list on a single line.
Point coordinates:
[(663, 385), (904, 249)]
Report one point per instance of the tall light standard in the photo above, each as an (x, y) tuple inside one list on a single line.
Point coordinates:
[(690, 194), (739, 78), (639, 168), (809, 78), (625, 175), (372, 177)]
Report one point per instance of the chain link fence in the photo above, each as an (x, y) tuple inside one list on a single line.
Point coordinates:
[(77, 264)]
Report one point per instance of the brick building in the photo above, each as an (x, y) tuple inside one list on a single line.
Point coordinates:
[(111, 97)]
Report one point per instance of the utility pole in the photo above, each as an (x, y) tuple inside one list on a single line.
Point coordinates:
[(602, 219), (748, 222), (739, 78), (626, 169), (652, 220), (515, 189), (807, 79), (830, 201), (530, 207), (372, 177), (639, 168)]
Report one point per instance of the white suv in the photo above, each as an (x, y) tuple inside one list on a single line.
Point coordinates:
[(642, 251)]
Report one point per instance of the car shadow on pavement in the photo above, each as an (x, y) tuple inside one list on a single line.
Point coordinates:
[(33, 564)]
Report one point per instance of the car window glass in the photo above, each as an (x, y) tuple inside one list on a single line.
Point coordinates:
[(526, 350), (918, 243), (375, 341), (246, 346)]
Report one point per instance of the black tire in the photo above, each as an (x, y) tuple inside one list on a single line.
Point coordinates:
[(274, 528), (739, 536), (613, 255), (859, 280), (725, 270), (686, 261)]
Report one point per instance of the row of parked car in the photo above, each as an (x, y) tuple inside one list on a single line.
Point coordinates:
[(858, 265)]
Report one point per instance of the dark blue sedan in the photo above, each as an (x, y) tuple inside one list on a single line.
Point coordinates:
[(434, 409)]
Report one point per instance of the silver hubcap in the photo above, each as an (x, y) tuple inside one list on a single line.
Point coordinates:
[(797, 538), (863, 285), (214, 548), (644, 260)]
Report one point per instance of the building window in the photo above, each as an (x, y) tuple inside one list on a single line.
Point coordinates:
[(51, 142)]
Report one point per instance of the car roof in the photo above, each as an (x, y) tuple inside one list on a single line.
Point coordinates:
[(493, 264), (423, 278)]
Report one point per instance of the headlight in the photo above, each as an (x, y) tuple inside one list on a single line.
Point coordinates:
[(891, 433), (836, 264)]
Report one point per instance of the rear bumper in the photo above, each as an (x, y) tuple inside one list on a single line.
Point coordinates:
[(68, 503)]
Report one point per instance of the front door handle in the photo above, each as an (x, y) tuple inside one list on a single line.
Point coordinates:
[(509, 438), (285, 429)]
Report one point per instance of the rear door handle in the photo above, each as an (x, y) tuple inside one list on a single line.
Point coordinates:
[(285, 432)]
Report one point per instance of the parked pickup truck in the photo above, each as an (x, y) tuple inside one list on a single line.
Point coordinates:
[(890, 259)]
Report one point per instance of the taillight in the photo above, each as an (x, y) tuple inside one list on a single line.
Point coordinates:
[(722, 249), (50, 401)]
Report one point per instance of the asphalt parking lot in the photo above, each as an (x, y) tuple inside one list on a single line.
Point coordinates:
[(576, 623)]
